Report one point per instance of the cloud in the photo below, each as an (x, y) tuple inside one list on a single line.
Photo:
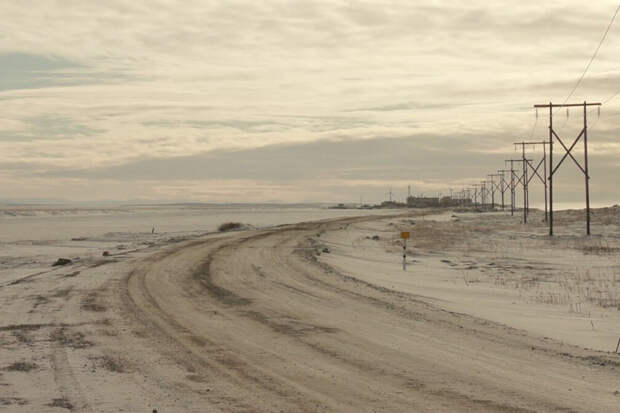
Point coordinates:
[(27, 71), (31, 71), (380, 159), (123, 91), (47, 128)]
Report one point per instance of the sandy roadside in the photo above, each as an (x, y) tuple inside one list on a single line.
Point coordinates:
[(258, 322)]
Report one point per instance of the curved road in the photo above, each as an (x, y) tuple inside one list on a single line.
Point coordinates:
[(258, 325)]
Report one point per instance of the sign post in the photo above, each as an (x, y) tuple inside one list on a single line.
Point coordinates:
[(405, 236)]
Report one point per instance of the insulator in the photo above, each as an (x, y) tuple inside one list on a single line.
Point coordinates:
[(567, 113), (536, 113), (598, 110)]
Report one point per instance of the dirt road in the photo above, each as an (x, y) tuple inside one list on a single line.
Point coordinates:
[(252, 322)]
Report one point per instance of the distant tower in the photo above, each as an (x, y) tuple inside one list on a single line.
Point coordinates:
[(408, 191)]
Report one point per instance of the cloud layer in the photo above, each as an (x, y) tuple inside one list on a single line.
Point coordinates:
[(253, 101)]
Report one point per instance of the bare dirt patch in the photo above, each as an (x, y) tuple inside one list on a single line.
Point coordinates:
[(62, 293), (10, 401), (75, 340), (23, 336), (99, 263), (196, 378), (40, 300), (23, 327), (62, 402), (112, 363), (24, 366), (92, 303)]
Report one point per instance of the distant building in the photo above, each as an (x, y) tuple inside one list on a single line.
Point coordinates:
[(450, 202), (391, 204), (447, 201), (422, 202)]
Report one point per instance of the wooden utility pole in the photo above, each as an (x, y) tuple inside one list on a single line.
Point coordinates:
[(513, 203), (516, 180), (585, 170), (585, 159), (504, 184), (535, 170), (494, 187), (479, 191), (526, 200)]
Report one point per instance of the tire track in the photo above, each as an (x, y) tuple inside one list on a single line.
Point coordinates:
[(246, 312), (197, 353)]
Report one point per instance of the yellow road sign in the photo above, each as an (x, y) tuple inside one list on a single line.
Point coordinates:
[(404, 235)]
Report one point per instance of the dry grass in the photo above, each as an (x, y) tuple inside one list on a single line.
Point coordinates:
[(472, 277), (520, 256), (599, 246), (435, 236), (579, 290)]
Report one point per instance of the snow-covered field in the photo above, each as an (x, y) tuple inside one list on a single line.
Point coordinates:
[(33, 237), (494, 267), (490, 315)]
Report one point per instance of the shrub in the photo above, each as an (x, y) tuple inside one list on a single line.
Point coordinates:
[(229, 226)]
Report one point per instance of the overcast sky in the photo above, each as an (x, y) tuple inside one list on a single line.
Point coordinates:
[(247, 101)]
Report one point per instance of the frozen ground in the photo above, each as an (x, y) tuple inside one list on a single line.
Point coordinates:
[(494, 267), (33, 237), (490, 316)]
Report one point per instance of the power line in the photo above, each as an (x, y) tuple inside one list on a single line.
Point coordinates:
[(611, 22), (600, 43), (616, 93), (592, 124), (561, 128), (534, 127)]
